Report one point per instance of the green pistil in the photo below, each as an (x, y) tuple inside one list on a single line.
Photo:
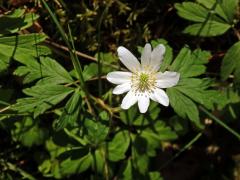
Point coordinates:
[(144, 82)]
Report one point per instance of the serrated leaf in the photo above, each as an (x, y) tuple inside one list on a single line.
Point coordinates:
[(231, 62), (190, 64), (224, 8), (118, 146), (192, 11), (47, 71), (160, 132), (208, 29), (183, 59), (42, 98), (205, 97), (21, 48), (184, 106), (212, 17), (71, 111)]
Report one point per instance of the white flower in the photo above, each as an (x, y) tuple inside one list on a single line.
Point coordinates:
[(144, 82)]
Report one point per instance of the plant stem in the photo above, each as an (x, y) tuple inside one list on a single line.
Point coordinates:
[(76, 63), (220, 122), (98, 54), (182, 150)]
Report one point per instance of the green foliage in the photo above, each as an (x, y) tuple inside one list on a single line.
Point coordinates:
[(15, 21), (132, 117), (90, 71), (191, 89), (118, 146), (96, 132), (70, 129), (21, 48), (211, 17), (71, 111), (46, 70), (231, 62), (29, 133), (42, 98)]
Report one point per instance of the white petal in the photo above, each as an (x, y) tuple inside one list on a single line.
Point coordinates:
[(128, 59), (161, 96), (157, 57), (122, 88), (143, 103), (129, 100), (146, 55), (119, 77), (152, 97), (167, 79)]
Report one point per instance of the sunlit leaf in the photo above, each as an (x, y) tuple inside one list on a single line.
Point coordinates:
[(212, 17), (42, 98), (47, 71), (231, 62), (22, 48)]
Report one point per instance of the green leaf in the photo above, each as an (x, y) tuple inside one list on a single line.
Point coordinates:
[(132, 117), (29, 133), (160, 132), (183, 59), (211, 28), (190, 89), (192, 11), (76, 163), (190, 64), (43, 97), (224, 8), (96, 131), (212, 17), (4, 62), (184, 106), (231, 62), (126, 172), (118, 146), (155, 175), (71, 111), (16, 21), (146, 142), (205, 97), (22, 48), (90, 71), (47, 70)]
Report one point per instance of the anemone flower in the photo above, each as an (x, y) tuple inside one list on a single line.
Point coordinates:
[(143, 82)]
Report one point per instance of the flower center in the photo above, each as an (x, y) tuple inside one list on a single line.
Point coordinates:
[(143, 81)]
